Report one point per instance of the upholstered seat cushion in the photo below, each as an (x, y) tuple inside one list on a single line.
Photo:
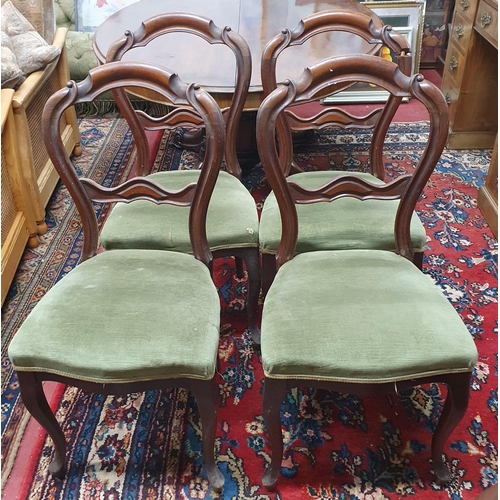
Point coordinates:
[(379, 319), (345, 223), (232, 219), (81, 57), (125, 316)]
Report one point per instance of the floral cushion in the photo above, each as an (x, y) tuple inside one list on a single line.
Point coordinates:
[(12, 76), (31, 50)]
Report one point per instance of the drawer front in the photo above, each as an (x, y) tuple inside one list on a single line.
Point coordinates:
[(487, 21), (467, 8), (455, 64), (461, 31), (451, 94)]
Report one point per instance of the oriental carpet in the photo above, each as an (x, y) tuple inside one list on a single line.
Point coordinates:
[(337, 446)]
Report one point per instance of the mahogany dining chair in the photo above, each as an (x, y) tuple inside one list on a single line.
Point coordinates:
[(128, 320), (362, 227), (363, 321), (232, 224)]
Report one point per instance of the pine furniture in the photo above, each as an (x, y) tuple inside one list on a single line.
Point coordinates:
[(39, 175), (18, 218)]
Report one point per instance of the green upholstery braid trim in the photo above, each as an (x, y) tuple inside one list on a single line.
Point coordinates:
[(360, 316), (379, 380), (343, 224), (122, 317), (232, 220)]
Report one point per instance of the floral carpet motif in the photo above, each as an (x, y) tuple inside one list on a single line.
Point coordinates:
[(337, 446)]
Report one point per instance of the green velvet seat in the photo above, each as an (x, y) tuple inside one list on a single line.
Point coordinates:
[(331, 337), (131, 340), (232, 220), (346, 223)]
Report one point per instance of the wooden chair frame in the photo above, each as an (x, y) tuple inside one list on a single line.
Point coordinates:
[(187, 124), (346, 17), (406, 188), (202, 27), (85, 191)]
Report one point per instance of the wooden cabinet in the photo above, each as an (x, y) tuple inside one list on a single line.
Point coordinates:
[(470, 76), (487, 198), (435, 32)]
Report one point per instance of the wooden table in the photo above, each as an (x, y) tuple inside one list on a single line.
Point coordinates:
[(213, 66)]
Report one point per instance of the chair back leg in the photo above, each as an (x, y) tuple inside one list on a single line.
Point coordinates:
[(274, 393), (204, 392), (252, 262)]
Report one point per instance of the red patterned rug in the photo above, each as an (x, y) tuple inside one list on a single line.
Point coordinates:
[(337, 446)]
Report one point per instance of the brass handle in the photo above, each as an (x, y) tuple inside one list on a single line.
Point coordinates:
[(485, 19), (447, 98), (465, 4), (453, 63), (459, 31)]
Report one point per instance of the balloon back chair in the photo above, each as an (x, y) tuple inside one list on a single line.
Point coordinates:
[(358, 321), (129, 320), (232, 224), (353, 227), (351, 17)]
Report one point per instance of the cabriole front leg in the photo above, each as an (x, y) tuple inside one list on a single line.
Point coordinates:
[(274, 392), (454, 409), (36, 403)]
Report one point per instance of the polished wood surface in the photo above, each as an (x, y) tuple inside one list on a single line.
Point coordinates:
[(470, 77), (213, 67), (487, 197)]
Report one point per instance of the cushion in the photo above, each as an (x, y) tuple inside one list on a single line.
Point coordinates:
[(81, 56), (360, 316), (12, 76), (345, 223), (232, 219), (125, 316), (65, 14), (31, 50), (40, 14)]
